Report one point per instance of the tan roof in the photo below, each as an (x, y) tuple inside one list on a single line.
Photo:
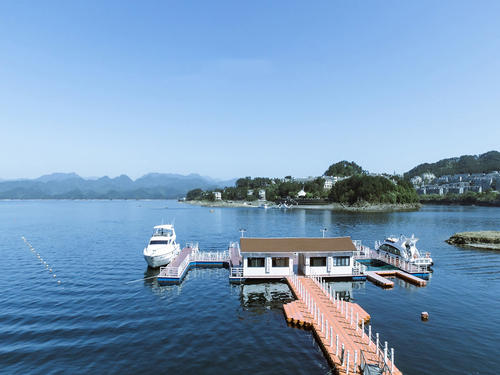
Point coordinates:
[(288, 245)]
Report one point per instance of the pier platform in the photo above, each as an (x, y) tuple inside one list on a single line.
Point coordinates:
[(339, 327), (380, 278), (188, 258), (375, 278)]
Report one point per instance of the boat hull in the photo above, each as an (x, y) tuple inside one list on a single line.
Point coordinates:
[(155, 261)]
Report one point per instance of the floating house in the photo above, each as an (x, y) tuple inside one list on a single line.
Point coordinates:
[(281, 257)]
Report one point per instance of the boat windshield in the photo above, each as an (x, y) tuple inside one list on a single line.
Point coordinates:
[(163, 232), (390, 249)]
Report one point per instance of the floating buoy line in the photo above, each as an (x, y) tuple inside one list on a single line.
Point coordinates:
[(43, 262)]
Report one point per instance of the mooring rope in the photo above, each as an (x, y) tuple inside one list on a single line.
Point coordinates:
[(146, 278)]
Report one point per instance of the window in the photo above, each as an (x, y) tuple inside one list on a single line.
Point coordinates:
[(281, 262), (342, 261), (256, 262), (158, 242), (390, 249), (318, 261), (163, 232)]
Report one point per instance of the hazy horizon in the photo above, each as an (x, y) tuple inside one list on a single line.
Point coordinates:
[(227, 89)]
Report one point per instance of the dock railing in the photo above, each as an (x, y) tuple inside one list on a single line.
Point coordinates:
[(195, 256), (192, 245), (363, 252), (358, 268), (373, 367), (175, 272), (236, 272), (210, 256), (377, 360), (399, 263)]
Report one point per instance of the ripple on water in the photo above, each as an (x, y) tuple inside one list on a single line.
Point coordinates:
[(97, 322)]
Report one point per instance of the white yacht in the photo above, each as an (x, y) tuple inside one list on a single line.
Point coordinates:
[(162, 247), (405, 248)]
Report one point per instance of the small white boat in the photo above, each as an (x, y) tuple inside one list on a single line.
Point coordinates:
[(404, 248), (162, 247)]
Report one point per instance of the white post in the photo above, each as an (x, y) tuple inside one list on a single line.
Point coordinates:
[(351, 314), (370, 335), (362, 329), (346, 311), (323, 323), (326, 330), (392, 360), (355, 361), (342, 307), (347, 363), (377, 342), (331, 338), (385, 352), (337, 345), (357, 321), (343, 356)]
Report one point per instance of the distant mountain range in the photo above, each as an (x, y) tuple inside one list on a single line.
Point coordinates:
[(72, 186), (484, 163)]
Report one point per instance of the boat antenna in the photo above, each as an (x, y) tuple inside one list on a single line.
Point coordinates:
[(324, 230), (242, 231)]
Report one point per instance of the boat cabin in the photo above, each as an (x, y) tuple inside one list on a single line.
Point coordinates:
[(280, 257)]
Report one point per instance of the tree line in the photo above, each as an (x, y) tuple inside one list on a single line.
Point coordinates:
[(358, 187)]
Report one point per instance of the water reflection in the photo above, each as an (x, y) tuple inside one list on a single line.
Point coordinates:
[(344, 289), (151, 281), (259, 297)]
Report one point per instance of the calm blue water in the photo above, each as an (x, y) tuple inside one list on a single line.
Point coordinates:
[(98, 321)]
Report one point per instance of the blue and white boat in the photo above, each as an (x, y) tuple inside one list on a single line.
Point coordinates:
[(404, 248)]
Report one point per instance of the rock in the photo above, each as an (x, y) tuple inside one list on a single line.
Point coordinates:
[(424, 315), (480, 239)]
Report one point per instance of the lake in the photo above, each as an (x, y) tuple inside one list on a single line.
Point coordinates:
[(105, 318)]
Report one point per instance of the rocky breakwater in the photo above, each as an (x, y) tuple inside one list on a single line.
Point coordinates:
[(481, 239)]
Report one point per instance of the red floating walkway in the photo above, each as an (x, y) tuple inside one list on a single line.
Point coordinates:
[(339, 327)]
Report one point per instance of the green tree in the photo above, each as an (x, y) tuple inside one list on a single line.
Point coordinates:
[(344, 168), (195, 194)]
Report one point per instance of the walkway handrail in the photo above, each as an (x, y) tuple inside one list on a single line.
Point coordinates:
[(236, 272), (200, 256)]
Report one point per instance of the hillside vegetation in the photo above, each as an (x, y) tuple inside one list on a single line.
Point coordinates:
[(484, 163), (358, 189), (373, 189)]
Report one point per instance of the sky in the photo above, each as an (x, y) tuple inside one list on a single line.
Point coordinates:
[(255, 88)]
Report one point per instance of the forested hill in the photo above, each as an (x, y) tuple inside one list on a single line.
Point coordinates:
[(484, 163)]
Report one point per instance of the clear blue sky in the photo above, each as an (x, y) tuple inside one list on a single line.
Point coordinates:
[(232, 88)]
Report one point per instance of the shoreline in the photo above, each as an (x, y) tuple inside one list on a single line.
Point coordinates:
[(448, 202), (379, 207)]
